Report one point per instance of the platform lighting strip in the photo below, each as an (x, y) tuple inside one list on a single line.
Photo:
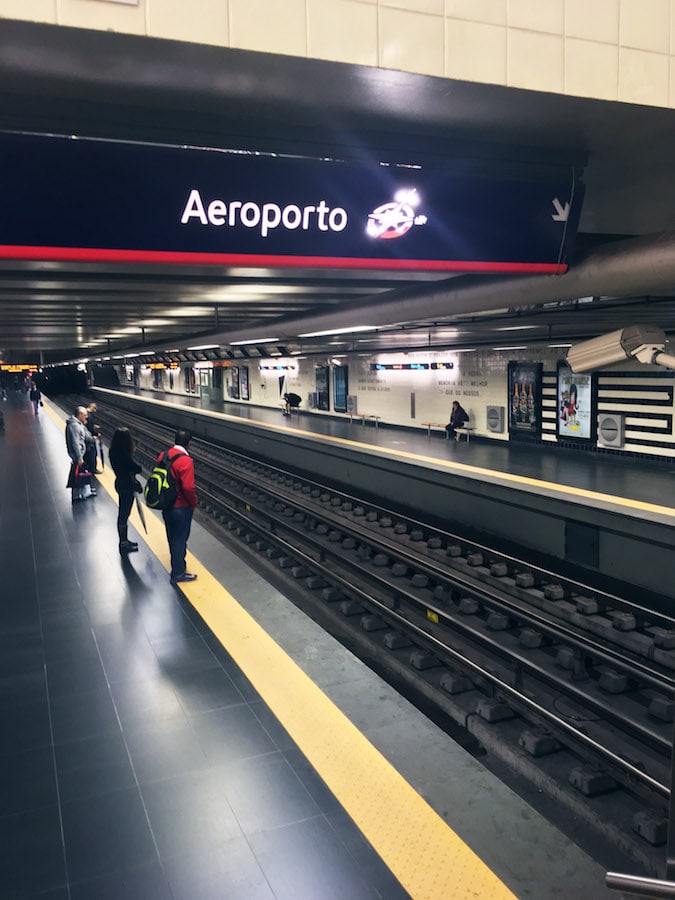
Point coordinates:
[(378, 367)]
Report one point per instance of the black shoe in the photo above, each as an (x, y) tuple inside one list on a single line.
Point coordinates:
[(93, 492), (186, 576), (128, 547)]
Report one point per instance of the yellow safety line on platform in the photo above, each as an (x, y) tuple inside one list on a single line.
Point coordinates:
[(420, 849), (495, 476)]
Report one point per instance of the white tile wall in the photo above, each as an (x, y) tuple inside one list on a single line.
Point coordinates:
[(284, 28), (492, 12), (461, 59), (643, 77), (607, 49), (413, 42), (206, 24), (645, 25), (591, 63), (535, 60), (343, 30), (30, 10), (544, 15), (595, 21)]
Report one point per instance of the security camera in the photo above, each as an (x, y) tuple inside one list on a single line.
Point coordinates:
[(642, 342)]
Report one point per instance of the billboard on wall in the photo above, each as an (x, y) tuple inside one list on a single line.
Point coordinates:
[(525, 398), (575, 404), (84, 199)]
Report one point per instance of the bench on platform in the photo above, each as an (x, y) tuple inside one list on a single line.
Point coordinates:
[(430, 425), (364, 417)]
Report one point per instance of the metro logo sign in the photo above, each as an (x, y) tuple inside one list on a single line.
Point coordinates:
[(112, 201), (393, 220)]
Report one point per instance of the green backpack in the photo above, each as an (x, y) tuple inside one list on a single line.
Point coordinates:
[(160, 489)]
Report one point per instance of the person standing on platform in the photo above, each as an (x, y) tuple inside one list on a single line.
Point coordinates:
[(76, 444), (458, 418), (178, 518), (35, 397), (94, 429), (125, 467)]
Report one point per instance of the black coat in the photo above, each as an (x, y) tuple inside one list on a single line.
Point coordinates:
[(126, 469)]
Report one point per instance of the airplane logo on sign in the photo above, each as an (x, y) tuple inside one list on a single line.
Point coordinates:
[(394, 219)]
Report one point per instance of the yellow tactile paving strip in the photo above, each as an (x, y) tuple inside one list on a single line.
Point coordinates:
[(425, 855)]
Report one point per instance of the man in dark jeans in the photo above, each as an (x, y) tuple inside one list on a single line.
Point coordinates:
[(178, 518)]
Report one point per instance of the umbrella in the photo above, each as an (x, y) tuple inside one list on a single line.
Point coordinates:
[(100, 447), (141, 515)]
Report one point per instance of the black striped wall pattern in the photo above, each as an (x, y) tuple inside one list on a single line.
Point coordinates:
[(643, 397)]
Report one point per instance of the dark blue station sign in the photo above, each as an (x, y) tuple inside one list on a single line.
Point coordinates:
[(92, 200)]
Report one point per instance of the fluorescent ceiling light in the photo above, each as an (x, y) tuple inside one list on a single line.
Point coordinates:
[(254, 341), (147, 353), (464, 350), (204, 347), (516, 327), (509, 348), (339, 331), (559, 346)]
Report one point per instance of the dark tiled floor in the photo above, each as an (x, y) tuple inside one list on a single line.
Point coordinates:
[(136, 760)]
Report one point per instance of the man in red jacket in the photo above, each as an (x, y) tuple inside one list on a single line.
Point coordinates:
[(178, 518)]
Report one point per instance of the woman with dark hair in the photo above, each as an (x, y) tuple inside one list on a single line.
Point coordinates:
[(125, 467)]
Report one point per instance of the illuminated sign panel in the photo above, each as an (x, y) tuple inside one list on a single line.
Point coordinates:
[(80, 199), (381, 367)]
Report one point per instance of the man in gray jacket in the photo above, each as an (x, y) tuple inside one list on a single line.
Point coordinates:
[(77, 438)]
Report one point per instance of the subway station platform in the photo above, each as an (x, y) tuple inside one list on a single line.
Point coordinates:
[(213, 742)]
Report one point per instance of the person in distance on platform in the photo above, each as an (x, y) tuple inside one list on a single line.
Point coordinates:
[(292, 401), (178, 518), (76, 444), (94, 430), (35, 397), (125, 467), (458, 418)]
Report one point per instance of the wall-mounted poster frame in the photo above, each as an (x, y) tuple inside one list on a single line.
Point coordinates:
[(243, 382), (234, 382), (576, 405), (340, 388), (322, 388), (525, 399)]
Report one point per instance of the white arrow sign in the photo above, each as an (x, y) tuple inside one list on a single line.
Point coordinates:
[(561, 212)]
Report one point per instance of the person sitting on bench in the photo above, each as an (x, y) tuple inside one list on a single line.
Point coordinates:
[(293, 401), (458, 418)]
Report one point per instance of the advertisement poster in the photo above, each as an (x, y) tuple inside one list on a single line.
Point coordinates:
[(322, 388), (575, 396), (525, 398), (234, 382), (243, 380)]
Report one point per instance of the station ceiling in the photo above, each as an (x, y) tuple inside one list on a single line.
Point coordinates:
[(97, 84)]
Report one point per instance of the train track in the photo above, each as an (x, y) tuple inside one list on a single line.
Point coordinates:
[(569, 686)]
